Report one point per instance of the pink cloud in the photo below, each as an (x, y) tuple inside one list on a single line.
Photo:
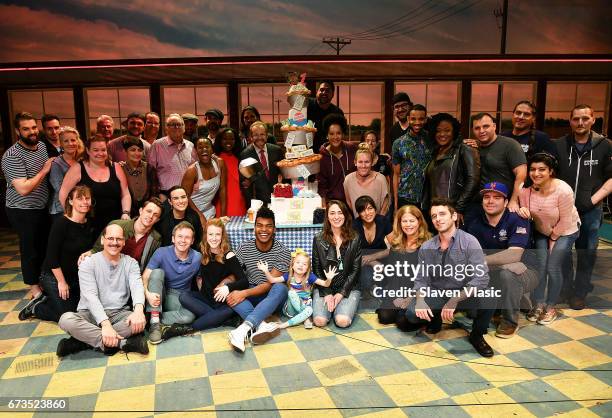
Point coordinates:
[(40, 35)]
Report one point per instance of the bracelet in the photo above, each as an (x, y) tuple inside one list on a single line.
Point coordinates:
[(125, 212)]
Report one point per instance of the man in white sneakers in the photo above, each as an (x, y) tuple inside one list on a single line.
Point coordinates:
[(261, 299)]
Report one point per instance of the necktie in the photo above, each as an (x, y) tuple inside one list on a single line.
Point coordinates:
[(264, 163)]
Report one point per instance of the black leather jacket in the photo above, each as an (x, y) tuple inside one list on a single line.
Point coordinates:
[(324, 255), (464, 175)]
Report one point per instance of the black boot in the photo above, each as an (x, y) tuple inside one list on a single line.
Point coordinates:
[(175, 330), (71, 345), (136, 344)]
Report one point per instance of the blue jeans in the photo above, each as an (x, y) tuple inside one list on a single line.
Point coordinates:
[(347, 307), (550, 266), (255, 309), (172, 312), (586, 246), (206, 316)]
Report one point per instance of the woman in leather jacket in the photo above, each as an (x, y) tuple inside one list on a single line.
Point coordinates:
[(336, 246), (454, 171)]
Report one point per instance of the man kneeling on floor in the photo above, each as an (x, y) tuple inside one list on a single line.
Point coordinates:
[(171, 271), (103, 320), (454, 273)]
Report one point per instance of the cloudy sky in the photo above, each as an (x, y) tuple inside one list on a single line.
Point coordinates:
[(114, 29)]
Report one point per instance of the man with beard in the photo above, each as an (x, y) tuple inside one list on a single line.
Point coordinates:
[(401, 108), (321, 107), (51, 139), (109, 281), (26, 165), (105, 126), (504, 236), (191, 127), (523, 130), (213, 118), (135, 124), (585, 163), (151, 129)]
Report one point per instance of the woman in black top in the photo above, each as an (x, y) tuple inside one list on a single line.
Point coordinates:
[(454, 170), (70, 236), (215, 281), (336, 247), (381, 162), (371, 227), (109, 187)]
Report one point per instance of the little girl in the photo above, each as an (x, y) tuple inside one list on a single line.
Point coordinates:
[(300, 281)]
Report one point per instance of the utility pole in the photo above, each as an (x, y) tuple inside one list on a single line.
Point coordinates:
[(503, 13), (336, 43)]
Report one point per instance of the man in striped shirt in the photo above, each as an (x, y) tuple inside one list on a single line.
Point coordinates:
[(261, 299), (26, 165)]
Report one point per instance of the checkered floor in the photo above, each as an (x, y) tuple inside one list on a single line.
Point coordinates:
[(369, 369)]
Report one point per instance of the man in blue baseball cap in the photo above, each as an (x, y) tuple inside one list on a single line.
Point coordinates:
[(504, 236)]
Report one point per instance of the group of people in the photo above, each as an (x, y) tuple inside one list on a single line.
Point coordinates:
[(119, 233)]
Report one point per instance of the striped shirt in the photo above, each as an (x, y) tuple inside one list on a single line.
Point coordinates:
[(19, 162), (278, 258), (171, 160)]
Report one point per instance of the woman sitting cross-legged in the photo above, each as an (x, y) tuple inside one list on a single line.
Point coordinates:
[(218, 265), (70, 236), (409, 233), (339, 246)]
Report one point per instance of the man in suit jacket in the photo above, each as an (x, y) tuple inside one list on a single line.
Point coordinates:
[(261, 185)]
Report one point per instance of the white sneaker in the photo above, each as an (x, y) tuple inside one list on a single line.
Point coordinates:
[(265, 331), (238, 336)]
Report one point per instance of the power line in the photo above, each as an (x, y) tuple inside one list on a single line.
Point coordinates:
[(426, 23), (388, 25)]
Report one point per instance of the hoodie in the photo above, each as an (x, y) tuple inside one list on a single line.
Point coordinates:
[(333, 170), (584, 171)]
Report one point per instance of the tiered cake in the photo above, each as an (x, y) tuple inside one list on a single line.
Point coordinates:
[(295, 204)]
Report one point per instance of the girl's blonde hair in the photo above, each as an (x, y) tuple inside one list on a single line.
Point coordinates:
[(224, 247), (399, 239), (300, 252)]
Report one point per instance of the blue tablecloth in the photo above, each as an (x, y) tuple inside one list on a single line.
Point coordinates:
[(293, 236)]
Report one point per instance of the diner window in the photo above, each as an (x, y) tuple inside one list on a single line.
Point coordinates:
[(196, 100), (362, 104), (40, 102), (561, 97), (116, 103), (270, 101), (485, 99), (437, 97)]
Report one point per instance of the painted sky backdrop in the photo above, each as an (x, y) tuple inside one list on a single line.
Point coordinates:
[(116, 29)]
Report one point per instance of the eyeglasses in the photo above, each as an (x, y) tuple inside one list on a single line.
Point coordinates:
[(401, 106), (174, 125), (114, 239)]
